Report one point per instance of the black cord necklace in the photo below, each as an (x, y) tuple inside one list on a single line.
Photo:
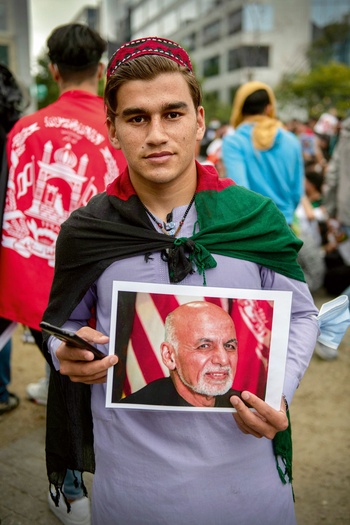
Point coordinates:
[(169, 227)]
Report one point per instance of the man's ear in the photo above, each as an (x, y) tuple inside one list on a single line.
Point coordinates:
[(112, 134), (168, 355), (100, 70), (54, 71), (200, 123)]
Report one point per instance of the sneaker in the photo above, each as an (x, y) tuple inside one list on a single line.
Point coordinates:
[(27, 336), (37, 392), (325, 352), (10, 404), (78, 515)]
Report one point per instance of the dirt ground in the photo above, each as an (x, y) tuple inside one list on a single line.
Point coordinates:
[(320, 427)]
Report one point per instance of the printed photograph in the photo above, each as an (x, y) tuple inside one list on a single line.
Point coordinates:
[(192, 348)]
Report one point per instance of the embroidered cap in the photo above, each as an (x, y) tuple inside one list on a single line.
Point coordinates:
[(149, 46)]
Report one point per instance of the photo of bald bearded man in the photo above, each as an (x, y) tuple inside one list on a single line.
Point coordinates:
[(201, 352)]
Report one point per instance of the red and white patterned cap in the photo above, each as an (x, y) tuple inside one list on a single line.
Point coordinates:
[(149, 46)]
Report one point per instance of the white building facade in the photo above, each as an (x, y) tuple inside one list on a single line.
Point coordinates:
[(231, 41)]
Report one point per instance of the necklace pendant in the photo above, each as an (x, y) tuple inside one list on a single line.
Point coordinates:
[(170, 227)]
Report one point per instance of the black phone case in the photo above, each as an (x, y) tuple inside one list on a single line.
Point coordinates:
[(71, 338)]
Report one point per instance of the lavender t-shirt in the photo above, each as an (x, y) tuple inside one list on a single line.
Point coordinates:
[(176, 468)]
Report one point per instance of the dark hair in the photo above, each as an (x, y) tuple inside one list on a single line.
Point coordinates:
[(11, 99), (256, 103), (315, 178), (147, 67), (75, 47)]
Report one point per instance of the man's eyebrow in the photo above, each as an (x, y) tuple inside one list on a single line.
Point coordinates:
[(127, 112), (175, 105), (209, 340)]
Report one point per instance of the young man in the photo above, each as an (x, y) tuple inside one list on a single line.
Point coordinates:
[(166, 467), (59, 157), (201, 352)]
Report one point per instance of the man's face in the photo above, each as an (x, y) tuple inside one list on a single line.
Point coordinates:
[(157, 127), (205, 360)]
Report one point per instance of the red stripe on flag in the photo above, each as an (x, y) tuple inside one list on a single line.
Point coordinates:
[(144, 352), (164, 304), (126, 387)]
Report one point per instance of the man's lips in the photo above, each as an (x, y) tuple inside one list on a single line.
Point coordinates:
[(217, 376), (159, 155)]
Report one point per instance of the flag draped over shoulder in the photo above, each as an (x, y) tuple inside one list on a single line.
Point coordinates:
[(232, 221)]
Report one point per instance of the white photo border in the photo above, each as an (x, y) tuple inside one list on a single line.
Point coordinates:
[(279, 335)]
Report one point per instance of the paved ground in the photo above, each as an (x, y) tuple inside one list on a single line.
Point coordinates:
[(23, 480), (23, 483), (321, 437)]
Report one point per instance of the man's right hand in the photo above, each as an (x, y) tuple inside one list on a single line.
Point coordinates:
[(79, 364)]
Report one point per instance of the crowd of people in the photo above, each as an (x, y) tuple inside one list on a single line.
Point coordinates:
[(121, 196), (308, 179)]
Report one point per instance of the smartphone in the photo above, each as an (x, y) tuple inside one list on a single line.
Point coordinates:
[(71, 338)]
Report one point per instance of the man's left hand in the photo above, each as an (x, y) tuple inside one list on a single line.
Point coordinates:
[(263, 420)]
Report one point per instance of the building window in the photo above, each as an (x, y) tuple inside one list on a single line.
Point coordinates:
[(235, 22), (257, 17), (211, 66), (248, 56), (189, 42), (330, 32), (211, 32), (4, 55), (324, 12)]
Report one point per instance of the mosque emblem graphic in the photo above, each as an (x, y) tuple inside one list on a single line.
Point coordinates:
[(60, 187)]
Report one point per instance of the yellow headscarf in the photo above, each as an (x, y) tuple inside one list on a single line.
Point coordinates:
[(265, 127)]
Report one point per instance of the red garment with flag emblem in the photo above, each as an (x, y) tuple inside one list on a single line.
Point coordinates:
[(59, 157)]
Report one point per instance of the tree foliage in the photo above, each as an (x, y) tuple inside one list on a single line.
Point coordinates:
[(327, 83), (215, 109), (47, 89), (325, 86)]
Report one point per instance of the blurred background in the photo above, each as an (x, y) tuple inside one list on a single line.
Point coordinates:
[(300, 48)]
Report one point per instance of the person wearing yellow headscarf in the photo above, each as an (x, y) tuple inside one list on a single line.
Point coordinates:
[(260, 154)]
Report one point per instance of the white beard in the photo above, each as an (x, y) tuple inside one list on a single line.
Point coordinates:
[(206, 388)]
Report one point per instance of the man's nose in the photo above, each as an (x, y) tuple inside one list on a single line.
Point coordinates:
[(156, 131), (220, 355)]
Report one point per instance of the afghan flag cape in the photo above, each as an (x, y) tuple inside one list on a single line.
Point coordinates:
[(232, 221)]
